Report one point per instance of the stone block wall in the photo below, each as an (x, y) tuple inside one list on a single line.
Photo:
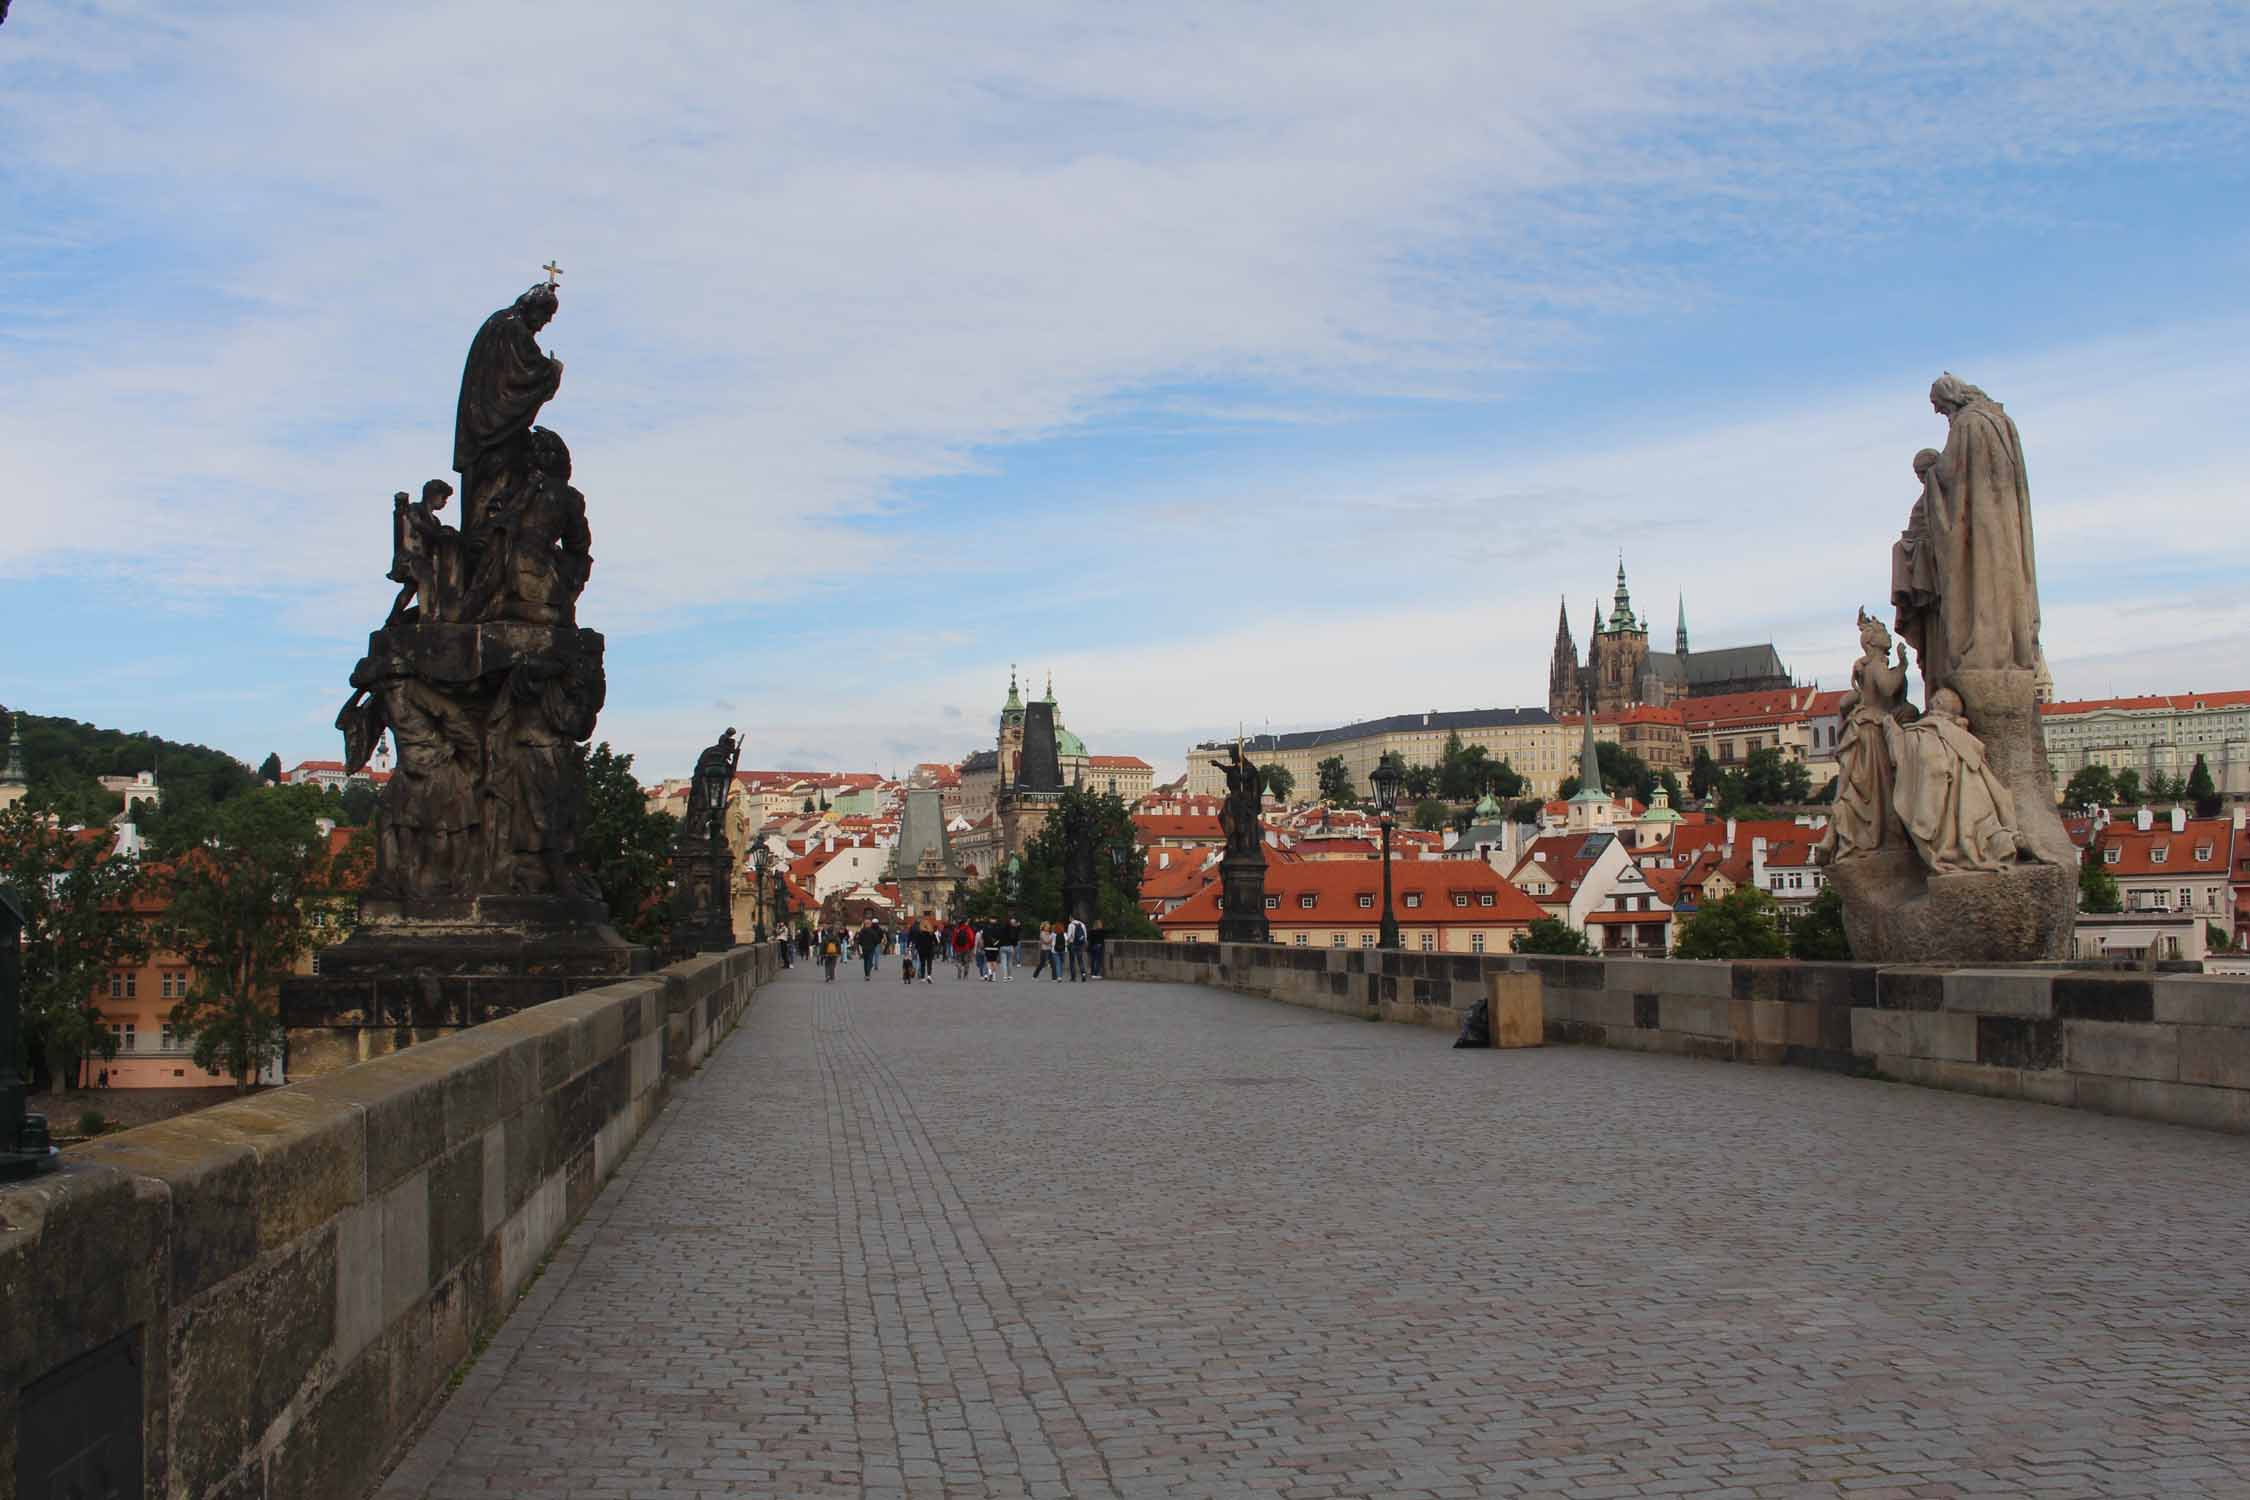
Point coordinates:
[(2172, 1047), (260, 1300)]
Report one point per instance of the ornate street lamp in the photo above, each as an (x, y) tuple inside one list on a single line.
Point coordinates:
[(762, 862), (1385, 779)]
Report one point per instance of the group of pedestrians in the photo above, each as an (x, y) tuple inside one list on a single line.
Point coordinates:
[(992, 946)]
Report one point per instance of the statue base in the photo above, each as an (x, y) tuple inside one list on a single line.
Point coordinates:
[(2003, 709), (1897, 913), (702, 919), (417, 969), (1242, 900)]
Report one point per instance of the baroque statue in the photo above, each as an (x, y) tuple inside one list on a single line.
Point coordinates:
[(1242, 869), (480, 674), (1944, 843), (702, 859), (478, 904)]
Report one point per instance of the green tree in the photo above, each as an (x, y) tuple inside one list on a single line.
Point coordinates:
[(1279, 780), (2202, 791), (626, 847), (1669, 784), (79, 925), (269, 769), (2090, 786), (257, 891), (1547, 935), (2162, 788), (1419, 782), (1506, 782), (1118, 866), (74, 799), (2129, 790), (1703, 774), (1819, 933), (2215, 937), (2097, 890), (1769, 776), (1464, 771), (1335, 779), (1743, 925), (1430, 814), (355, 808)]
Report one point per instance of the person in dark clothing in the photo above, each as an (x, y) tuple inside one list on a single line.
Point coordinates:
[(1095, 942), (925, 949), (870, 944)]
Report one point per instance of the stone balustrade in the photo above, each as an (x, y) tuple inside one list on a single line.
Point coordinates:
[(263, 1298), (2171, 1047)]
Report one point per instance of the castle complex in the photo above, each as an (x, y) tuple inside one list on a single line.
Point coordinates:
[(1620, 672)]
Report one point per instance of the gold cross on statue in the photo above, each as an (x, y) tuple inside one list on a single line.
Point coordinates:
[(552, 271)]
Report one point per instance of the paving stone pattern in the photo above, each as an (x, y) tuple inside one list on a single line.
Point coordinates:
[(1155, 1240)]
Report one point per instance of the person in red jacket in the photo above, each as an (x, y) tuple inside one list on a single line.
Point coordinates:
[(964, 947)]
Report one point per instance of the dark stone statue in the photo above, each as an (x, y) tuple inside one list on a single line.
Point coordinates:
[(702, 860), (1242, 869), (483, 678)]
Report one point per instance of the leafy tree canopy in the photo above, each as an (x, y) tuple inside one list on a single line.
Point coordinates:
[(1819, 933), (1279, 780), (1118, 865), (2202, 791), (1547, 935), (1430, 814), (256, 889), (1743, 925), (78, 925), (626, 847), (62, 758), (2090, 786), (1335, 780)]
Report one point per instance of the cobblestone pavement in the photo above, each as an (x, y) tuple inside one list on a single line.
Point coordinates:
[(1149, 1240)]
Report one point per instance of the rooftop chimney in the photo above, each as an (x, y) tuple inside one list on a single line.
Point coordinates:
[(2241, 816), (2143, 821), (2179, 818)]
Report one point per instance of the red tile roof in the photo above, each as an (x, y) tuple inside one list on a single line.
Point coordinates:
[(1775, 703), (2173, 702), (2137, 852), (1337, 887)]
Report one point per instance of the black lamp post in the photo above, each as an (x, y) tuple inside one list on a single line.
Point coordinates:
[(762, 863), (1385, 779)]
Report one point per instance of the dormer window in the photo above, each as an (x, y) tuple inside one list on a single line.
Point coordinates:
[(1484, 898), (1413, 900), (1273, 903), (2112, 854), (1306, 901), (2202, 853), (1460, 898), (2158, 852), (1366, 902)]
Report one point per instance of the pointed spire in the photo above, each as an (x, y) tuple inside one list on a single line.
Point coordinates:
[(1621, 611), (1679, 641), (1015, 699), (1562, 620), (1050, 686), (1589, 763), (14, 775)]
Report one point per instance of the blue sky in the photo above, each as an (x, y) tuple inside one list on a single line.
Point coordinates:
[(1236, 363)]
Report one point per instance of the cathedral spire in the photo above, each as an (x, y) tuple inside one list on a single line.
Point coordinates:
[(1621, 613), (1679, 641), (1014, 705)]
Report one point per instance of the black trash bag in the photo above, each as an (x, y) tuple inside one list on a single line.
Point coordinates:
[(1476, 1030)]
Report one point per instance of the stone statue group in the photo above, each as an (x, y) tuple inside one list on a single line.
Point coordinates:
[(480, 673), (1960, 787)]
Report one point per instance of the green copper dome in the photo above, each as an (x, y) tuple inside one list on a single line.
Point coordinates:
[(1068, 744)]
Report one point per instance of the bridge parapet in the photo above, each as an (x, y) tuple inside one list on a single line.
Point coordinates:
[(263, 1298), (2159, 1046)]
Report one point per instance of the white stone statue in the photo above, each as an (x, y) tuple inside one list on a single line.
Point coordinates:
[(1954, 808), (1863, 819)]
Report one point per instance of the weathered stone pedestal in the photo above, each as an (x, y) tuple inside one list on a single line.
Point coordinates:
[(415, 970), (1242, 901), (1896, 913)]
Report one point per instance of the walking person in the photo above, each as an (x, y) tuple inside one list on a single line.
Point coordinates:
[(1074, 938), (989, 954), (1095, 942), (964, 944), (830, 950), (1010, 936), (926, 948), (870, 944), (1055, 954)]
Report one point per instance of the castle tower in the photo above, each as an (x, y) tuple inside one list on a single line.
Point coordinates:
[(1679, 638), (1619, 652), (1590, 808), (1010, 743), (14, 784), (1563, 682)]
